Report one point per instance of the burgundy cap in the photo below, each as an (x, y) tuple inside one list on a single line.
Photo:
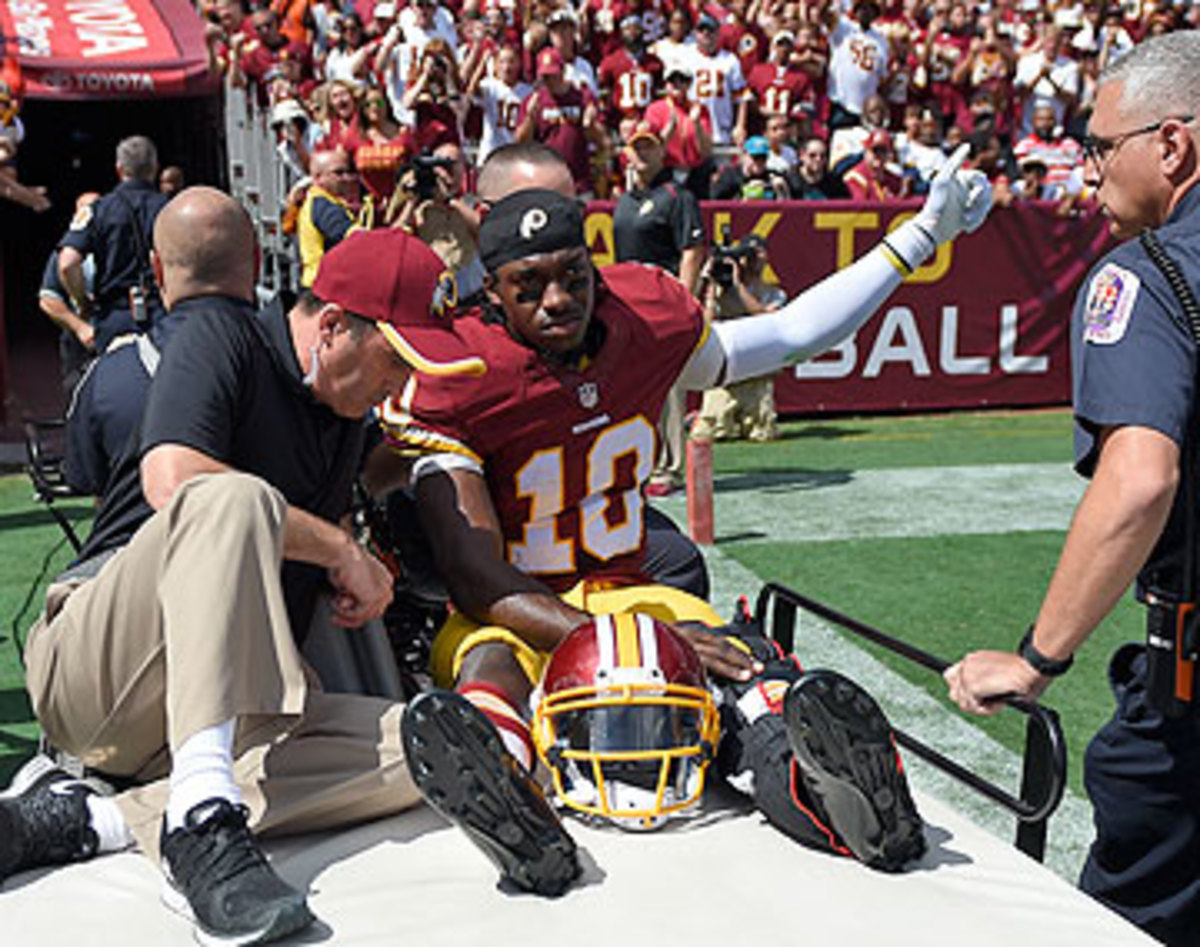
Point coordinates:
[(402, 286), (878, 139), (549, 62)]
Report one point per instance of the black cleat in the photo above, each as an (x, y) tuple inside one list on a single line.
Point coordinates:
[(218, 877), (44, 819), (461, 767), (847, 757)]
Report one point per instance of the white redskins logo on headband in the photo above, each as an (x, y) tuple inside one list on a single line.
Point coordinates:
[(532, 221)]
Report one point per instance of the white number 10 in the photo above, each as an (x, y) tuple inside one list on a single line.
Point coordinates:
[(541, 480)]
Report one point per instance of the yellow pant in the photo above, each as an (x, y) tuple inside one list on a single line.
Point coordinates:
[(460, 634)]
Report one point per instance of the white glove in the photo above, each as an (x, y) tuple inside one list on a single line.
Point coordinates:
[(958, 202)]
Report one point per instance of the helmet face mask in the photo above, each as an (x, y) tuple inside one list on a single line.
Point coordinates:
[(625, 723)]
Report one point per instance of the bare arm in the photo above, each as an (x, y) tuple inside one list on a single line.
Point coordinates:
[(456, 509), (65, 318), (70, 272), (1115, 527), (690, 265), (362, 584)]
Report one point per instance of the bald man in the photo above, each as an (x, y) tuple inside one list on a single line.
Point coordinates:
[(203, 247), (522, 165)]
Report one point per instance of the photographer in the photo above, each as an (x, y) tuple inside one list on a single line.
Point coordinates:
[(732, 287), (429, 203), (435, 98)]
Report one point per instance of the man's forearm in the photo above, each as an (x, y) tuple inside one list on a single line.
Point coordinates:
[(70, 272), (1119, 520)]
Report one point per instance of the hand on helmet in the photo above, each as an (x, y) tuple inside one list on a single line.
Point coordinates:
[(958, 200), (716, 653)]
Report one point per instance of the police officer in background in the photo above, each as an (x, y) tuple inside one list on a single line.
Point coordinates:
[(116, 231), (657, 223), (1134, 361)]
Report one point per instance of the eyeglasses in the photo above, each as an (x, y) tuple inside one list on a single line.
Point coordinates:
[(1100, 149), (343, 172)]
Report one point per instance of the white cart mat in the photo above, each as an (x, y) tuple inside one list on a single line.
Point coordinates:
[(725, 878)]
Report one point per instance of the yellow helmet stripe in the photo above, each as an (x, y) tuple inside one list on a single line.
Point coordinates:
[(629, 641)]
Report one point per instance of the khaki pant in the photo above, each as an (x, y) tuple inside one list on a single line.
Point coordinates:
[(669, 467), (743, 410), (186, 627)]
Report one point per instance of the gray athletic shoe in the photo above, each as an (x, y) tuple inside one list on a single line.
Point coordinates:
[(44, 819), (218, 876)]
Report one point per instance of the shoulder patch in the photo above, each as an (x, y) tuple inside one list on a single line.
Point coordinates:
[(1109, 306), (82, 218)]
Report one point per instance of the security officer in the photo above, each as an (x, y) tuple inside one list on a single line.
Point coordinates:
[(657, 223), (1134, 361), (112, 395), (76, 339), (116, 231)]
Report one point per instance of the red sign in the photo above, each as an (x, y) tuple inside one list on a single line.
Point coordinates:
[(984, 323), (87, 49)]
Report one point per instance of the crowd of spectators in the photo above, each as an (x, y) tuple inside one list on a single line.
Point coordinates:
[(753, 98)]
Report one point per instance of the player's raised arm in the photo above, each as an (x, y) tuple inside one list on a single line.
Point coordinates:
[(823, 315)]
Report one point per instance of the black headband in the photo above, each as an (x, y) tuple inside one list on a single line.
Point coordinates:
[(527, 223)]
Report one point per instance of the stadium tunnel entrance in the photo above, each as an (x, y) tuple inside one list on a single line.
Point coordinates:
[(69, 148)]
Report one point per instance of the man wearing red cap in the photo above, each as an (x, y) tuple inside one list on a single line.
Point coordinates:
[(562, 116), (873, 179), (168, 654)]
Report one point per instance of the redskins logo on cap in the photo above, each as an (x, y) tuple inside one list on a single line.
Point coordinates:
[(532, 221), (445, 294)]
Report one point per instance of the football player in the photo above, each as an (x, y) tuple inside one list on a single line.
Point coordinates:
[(532, 485)]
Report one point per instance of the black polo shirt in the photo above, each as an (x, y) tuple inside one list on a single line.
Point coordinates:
[(657, 224), (230, 387)]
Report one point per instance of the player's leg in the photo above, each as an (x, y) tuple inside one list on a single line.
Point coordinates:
[(470, 753), (816, 754)]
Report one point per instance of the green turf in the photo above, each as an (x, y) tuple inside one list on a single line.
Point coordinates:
[(32, 549), (942, 440), (948, 595)]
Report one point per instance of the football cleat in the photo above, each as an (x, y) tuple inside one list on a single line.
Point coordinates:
[(847, 757), (462, 769)]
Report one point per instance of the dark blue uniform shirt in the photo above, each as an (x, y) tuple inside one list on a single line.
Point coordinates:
[(109, 232), (1133, 362), (109, 401)]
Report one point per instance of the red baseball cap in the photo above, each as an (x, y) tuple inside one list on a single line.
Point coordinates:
[(878, 139), (397, 282), (549, 62)]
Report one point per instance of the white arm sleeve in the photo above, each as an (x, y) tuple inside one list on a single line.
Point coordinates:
[(814, 321)]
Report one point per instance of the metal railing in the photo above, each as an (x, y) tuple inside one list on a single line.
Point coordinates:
[(1044, 762)]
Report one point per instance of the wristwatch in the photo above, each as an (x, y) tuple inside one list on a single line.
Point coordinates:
[(1039, 662)]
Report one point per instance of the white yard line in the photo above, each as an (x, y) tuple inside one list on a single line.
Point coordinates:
[(907, 502)]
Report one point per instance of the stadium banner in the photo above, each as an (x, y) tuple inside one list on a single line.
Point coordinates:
[(984, 324), (106, 49)]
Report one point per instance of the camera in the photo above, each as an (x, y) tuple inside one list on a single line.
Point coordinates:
[(424, 184), (725, 254)]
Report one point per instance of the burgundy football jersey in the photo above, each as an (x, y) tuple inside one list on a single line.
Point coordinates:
[(565, 451)]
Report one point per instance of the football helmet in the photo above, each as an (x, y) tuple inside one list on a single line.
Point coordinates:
[(625, 722)]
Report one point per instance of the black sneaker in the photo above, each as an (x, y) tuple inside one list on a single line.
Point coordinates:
[(44, 819), (461, 767), (218, 877), (847, 756)]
